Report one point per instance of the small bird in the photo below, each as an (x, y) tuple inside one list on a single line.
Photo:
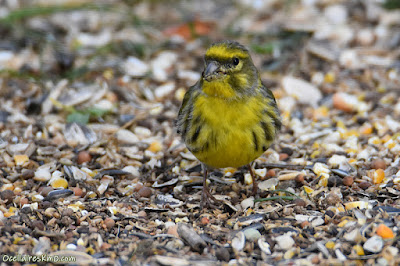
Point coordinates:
[(228, 118)]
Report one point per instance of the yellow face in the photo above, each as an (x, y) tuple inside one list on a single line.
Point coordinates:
[(229, 70), (222, 60)]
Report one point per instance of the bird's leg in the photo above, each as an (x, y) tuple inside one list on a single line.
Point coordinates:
[(255, 186), (206, 195)]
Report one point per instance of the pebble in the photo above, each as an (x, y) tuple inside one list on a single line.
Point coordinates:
[(84, 157), (222, 254), (142, 214), (283, 156), (364, 185), (285, 241), (164, 90), (336, 14), (299, 202), (27, 174), (204, 220), (299, 178), (347, 102), (38, 224), (378, 164), (173, 230), (7, 195), (270, 173), (252, 234), (348, 181), (23, 201), (77, 191), (145, 192), (302, 90), (374, 244), (109, 223), (67, 212), (135, 67)]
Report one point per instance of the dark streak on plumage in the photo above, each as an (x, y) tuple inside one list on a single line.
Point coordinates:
[(255, 141), (264, 148), (195, 135)]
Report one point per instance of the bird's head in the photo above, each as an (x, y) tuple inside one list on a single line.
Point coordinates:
[(229, 70)]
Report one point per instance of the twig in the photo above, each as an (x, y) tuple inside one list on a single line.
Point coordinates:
[(275, 198), (283, 166)]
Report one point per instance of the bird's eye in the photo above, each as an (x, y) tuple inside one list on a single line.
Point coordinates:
[(235, 61)]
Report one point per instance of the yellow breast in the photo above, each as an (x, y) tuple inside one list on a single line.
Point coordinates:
[(230, 133)]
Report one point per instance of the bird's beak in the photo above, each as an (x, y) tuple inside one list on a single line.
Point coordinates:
[(210, 69)]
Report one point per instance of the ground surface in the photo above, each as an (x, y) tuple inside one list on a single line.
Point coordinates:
[(91, 166)]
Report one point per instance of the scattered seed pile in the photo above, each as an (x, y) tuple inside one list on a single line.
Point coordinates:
[(92, 170)]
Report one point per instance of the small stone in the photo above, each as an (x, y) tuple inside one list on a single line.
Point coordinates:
[(270, 173), (301, 90), (299, 202), (222, 254), (142, 214), (315, 260), (109, 223), (23, 201), (7, 195), (299, 178), (135, 67), (374, 244), (173, 230), (145, 192), (348, 181), (77, 191), (283, 156), (138, 187), (284, 241), (67, 212), (164, 90), (204, 220), (27, 174), (66, 220), (252, 234), (345, 102), (304, 224), (378, 164), (38, 224), (364, 185), (84, 157), (105, 246)]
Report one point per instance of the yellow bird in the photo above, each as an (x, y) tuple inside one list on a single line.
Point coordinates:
[(228, 118)]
